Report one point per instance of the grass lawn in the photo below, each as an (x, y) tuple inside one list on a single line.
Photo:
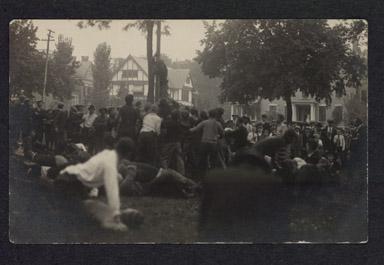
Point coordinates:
[(39, 215)]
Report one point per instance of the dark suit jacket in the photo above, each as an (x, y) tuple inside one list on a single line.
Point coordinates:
[(328, 142), (60, 120), (129, 117)]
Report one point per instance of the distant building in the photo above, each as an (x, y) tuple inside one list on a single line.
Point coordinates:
[(130, 76), (180, 86), (83, 86), (84, 82), (304, 108)]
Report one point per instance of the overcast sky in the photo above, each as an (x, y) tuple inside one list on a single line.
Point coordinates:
[(181, 44)]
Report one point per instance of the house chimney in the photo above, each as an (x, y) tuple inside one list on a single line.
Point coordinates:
[(84, 58)]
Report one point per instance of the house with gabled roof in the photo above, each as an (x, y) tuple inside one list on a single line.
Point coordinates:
[(181, 87), (130, 76)]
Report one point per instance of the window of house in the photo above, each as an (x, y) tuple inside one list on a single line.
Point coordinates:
[(138, 94), (130, 73), (137, 89), (114, 90), (123, 86), (338, 114), (75, 100), (237, 110), (185, 95), (322, 113), (175, 94), (364, 96)]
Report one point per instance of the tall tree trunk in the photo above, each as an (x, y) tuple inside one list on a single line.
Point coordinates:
[(151, 81), (158, 52), (288, 100), (158, 32)]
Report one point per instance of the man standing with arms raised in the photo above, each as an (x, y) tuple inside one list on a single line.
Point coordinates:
[(211, 130)]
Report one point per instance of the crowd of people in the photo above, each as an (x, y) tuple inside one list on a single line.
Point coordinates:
[(138, 150)]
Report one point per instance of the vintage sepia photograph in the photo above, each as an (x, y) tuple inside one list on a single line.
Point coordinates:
[(188, 131)]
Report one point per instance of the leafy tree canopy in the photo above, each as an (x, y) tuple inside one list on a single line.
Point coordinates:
[(275, 58), (61, 69), (101, 73), (26, 63)]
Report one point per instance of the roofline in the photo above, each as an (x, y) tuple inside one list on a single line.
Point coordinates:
[(120, 66), (133, 58), (126, 60)]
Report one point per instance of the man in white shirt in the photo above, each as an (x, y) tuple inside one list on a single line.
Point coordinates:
[(89, 118), (102, 170), (147, 146), (151, 121), (247, 123), (339, 142), (252, 136)]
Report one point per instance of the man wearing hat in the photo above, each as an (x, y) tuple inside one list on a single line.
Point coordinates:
[(328, 135), (265, 123), (87, 125)]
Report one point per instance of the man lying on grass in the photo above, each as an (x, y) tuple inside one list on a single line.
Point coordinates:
[(101, 170), (112, 170), (144, 179)]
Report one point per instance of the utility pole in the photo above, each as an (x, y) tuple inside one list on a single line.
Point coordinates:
[(46, 64)]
